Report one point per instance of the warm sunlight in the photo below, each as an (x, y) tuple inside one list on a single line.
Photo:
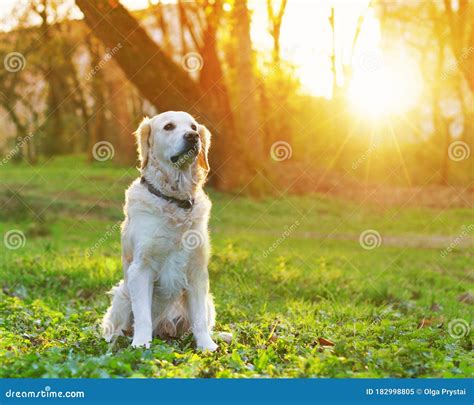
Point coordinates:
[(385, 88), (306, 38), (309, 163)]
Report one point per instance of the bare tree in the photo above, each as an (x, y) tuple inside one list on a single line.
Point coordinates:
[(247, 108), (275, 19), (437, 39), (461, 38), (158, 11), (201, 21), (164, 83), (332, 24)]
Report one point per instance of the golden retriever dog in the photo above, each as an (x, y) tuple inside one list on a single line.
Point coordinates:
[(165, 241)]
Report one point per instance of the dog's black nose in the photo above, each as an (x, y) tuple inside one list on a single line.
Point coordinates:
[(191, 137)]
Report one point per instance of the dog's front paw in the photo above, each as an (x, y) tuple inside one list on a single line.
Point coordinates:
[(141, 342), (206, 345)]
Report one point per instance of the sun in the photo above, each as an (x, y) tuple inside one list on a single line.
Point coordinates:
[(385, 89)]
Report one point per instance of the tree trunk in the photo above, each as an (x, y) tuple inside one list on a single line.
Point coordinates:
[(275, 29), (333, 54), (247, 110), (124, 142), (462, 44), (158, 78), (158, 11), (54, 141), (212, 83), (441, 124)]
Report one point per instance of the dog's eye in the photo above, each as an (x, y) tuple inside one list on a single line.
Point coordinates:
[(193, 127), (169, 127)]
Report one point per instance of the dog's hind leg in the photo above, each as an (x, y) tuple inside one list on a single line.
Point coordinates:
[(118, 317)]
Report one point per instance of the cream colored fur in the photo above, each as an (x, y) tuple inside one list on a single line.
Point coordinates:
[(165, 291)]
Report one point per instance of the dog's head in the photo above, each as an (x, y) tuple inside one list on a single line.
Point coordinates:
[(174, 139)]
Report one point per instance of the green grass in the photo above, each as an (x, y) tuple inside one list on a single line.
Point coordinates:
[(317, 283)]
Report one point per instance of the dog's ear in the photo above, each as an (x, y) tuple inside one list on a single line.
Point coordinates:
[(205, 136), (143, 141)]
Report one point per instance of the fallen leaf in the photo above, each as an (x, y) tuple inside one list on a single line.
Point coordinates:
[(325, 342), (425, 323)]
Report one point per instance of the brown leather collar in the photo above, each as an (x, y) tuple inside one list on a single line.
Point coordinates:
[(185, 204)]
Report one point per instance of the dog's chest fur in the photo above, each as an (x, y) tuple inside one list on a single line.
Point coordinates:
[(170, 236)]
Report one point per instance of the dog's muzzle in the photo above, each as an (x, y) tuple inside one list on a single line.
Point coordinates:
[(190, 151)]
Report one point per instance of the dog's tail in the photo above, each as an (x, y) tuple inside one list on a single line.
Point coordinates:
[(118, 318)]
